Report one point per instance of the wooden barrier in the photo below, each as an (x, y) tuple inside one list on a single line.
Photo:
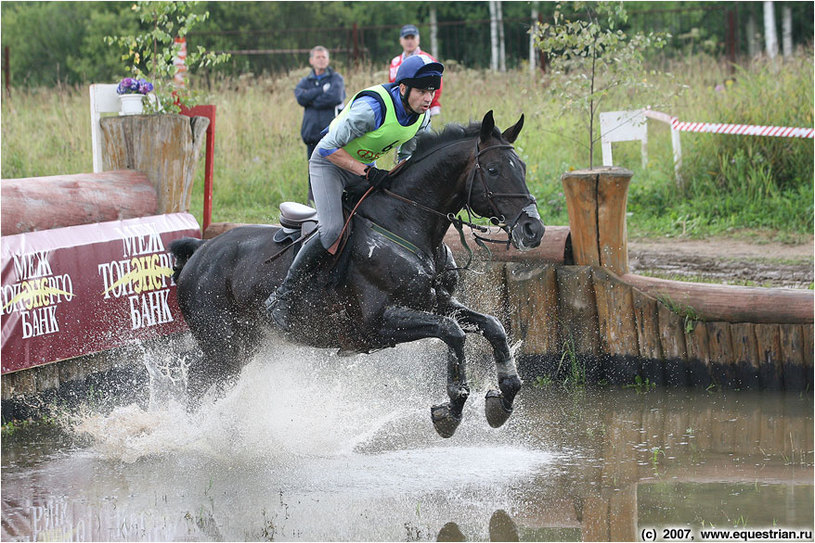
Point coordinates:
[(123, 204), (42, 203)]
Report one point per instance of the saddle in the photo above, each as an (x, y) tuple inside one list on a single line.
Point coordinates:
[(297, 220), (300, 221)]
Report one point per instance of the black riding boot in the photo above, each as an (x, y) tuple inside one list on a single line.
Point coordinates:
[(279, 304)]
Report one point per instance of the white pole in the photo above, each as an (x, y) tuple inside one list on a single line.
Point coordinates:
[(493, 38), (532, 52), (786, 31), (434, 33), (770, 34), (502, 54)]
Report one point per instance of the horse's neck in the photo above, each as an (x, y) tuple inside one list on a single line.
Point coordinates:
[(437, 183)]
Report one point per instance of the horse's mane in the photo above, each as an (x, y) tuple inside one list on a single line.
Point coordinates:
[(452, 132)]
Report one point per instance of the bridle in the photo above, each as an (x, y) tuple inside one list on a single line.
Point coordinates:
[(498, 218)]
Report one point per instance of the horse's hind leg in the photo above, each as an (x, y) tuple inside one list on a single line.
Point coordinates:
[(498, 404), (401, 325)]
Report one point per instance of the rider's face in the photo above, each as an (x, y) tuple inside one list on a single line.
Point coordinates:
[(419, 99)]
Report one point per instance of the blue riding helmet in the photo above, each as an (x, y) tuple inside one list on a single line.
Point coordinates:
[(420, 72)]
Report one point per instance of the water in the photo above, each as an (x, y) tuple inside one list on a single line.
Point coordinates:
[(311, 446)]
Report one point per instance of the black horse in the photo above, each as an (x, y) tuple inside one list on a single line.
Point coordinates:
[(398, 276)]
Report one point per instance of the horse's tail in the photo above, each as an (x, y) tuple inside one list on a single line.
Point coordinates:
[(182, 250)]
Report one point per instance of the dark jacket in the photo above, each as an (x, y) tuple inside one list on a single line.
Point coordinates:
[(320, 104)]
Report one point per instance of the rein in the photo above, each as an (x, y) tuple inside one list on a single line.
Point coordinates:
[(459, 222)]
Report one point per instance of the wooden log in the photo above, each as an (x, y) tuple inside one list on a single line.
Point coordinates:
[(596, 200), (792, 353), (768, 341), (698, 365), (533, 307), (555, 247), (165, 147), (731, 303), (218, 228), (809, 353), (618, 332), (674, 348), (577, 310), (647, 322), (41, 203), (745, 348), (722, 359)]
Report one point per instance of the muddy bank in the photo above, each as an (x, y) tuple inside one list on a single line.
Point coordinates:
[(724, 261)]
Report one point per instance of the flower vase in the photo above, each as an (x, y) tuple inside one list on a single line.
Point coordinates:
[(131, 104)]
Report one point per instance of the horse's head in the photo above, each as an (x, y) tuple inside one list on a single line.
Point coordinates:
[(496, 185)]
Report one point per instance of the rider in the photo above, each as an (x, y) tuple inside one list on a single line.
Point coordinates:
[(378, 119)]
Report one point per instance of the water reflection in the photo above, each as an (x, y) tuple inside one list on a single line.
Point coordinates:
[(502, 528), (570, 465)]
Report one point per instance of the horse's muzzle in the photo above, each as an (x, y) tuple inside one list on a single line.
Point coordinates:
[(527, 232)]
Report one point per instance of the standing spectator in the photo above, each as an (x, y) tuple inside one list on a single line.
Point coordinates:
[(409, 40), (321, 93)]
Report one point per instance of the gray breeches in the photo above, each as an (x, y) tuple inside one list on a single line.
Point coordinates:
[(327, 183)]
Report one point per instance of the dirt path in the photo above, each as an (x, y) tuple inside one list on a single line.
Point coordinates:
[(725, 260)]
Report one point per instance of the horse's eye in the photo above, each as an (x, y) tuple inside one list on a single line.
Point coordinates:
[(492, 170)]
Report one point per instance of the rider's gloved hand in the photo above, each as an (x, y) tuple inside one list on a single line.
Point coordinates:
[(378, 179)]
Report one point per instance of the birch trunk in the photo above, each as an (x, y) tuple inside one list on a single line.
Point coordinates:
[(752, 45), (493, 37), (786, 31), (770, 34), (434, 34), (532, 52), (502, 53)]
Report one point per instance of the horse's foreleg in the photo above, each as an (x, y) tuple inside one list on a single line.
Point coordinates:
[(498, 405), (401, 325)]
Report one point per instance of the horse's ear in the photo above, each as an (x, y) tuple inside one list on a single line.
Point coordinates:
[(486, 126), (511, 133)]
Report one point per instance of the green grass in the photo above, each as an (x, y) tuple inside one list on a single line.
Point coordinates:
[(733, 183)]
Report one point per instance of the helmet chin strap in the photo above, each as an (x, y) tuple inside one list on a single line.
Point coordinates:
[(404, 98)]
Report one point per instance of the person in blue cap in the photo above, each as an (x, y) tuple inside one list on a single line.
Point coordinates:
[(409, 40), (376, 120)]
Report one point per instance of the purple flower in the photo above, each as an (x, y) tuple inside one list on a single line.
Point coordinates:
[(130, 85), (145, 86)]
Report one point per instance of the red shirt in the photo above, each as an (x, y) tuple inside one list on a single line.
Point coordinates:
[(435, 105)]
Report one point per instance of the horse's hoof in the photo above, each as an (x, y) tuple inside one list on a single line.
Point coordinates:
[(444, 421), (497, 413)]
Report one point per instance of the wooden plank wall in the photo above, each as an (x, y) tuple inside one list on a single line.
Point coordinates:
[(619, 333)]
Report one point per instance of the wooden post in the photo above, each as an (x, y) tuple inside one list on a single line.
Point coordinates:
[(596, 200), (165, 147), (533, 307), (577, 312), (647, 322), (674, 348), (618, 332)]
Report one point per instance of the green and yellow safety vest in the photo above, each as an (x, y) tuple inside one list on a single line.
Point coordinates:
[(369, 147)]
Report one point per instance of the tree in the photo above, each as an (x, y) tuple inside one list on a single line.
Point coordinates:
[(770, 34), (591, 56), (150, 53)]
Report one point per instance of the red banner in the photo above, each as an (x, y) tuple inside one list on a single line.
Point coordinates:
[(72, 291)]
